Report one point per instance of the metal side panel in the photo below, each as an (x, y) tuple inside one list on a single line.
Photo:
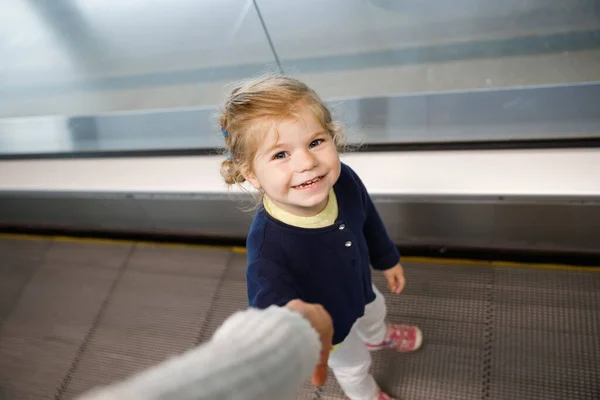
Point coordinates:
[(501, 224)]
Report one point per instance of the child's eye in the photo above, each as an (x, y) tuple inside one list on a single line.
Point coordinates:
[(315, 143), (279, 155)]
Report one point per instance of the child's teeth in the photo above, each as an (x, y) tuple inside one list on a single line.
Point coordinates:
[(309, 182)]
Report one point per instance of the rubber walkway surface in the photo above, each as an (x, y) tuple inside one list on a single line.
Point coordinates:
[(77, 314)]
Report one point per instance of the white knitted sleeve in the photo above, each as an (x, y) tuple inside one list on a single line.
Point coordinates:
[(256, 354)]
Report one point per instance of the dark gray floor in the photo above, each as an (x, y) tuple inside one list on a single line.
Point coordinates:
[(75, 315)]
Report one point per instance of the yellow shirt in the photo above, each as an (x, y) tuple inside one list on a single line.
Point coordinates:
[(325, 218)]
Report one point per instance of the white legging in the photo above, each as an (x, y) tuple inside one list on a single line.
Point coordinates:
[(351, 361)]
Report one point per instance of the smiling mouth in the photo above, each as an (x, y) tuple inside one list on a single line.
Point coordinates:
[(308, 183)]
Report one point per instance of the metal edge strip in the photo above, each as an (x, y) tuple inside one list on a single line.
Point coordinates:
[(569, 143)]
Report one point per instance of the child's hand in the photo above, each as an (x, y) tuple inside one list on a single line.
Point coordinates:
[(320, 319), (395, 278)]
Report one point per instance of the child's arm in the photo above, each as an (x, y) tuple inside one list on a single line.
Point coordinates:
[(269, 285), (383, 253)]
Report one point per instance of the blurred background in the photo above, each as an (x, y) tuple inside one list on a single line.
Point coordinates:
[(480, 123), (407, 71)]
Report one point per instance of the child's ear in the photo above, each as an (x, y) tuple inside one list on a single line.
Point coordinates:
[(250, 177)]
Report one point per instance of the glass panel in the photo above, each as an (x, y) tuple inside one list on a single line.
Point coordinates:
[(436, 71), (96, 56), (348, 48), (112, 75)]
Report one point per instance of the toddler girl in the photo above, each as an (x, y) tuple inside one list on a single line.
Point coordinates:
[(318, 233)]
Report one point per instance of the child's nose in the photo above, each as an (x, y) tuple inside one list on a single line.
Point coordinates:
[(305, 160)]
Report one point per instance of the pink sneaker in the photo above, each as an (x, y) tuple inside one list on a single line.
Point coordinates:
[(403, 338), (382, 396)]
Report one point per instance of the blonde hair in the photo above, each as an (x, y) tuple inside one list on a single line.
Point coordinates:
[(253, 106)]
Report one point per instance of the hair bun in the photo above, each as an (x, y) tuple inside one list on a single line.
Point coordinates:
[(230, 173)]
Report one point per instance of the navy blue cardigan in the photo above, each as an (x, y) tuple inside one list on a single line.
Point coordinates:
[(329, 266)]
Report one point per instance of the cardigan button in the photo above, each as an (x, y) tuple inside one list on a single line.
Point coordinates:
[(342, 227), (348, 243)]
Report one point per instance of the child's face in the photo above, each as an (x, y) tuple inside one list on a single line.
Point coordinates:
[(297, 164)]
